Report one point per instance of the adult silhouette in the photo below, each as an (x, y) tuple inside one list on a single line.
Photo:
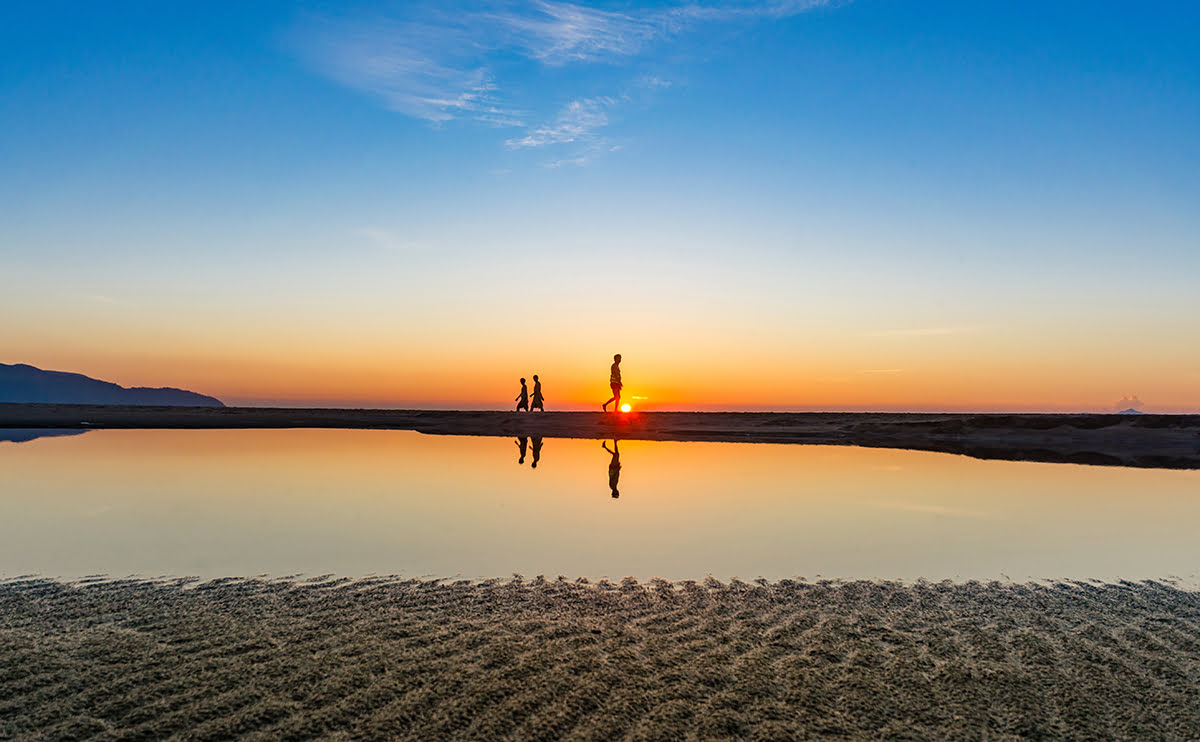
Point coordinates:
[(537, 448), (614, 467), (614, 381), (522, 444), (522, 399), (538, 400)]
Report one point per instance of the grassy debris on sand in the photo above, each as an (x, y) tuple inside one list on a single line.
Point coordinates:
[(395, 659)]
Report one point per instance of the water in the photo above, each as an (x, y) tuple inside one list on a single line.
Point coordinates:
[(285, 502)]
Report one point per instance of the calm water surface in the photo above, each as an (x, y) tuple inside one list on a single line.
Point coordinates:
[(286, 502)]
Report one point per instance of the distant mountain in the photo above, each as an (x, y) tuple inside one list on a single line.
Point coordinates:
[(22, 383), (1131, 411)]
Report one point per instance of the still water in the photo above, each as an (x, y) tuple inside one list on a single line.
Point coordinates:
[(358, 502)]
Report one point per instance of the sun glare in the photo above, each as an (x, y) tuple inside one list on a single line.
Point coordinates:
[(625, 407)]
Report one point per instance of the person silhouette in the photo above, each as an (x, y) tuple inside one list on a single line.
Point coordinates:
[(522, 399), (614, 381), (614, 467), (538, 399), (537, 449), (522, 444)]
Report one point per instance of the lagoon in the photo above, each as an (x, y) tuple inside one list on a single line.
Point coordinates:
[(211, 503)]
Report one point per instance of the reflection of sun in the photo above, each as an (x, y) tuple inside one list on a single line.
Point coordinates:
[(625, 407)]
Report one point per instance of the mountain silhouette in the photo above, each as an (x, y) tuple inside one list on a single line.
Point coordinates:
[(25, 384)]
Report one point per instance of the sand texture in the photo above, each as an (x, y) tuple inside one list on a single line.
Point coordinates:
[(1167, 441), (387, 659)]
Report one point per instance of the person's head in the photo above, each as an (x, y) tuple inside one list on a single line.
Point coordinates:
[(615, 494), (535, 377), (522, 379), (617, 358)]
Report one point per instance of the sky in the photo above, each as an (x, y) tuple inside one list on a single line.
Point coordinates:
[(762, 205)]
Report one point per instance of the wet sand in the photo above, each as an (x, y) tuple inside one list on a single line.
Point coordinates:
[(1166, 441), (388, 659)]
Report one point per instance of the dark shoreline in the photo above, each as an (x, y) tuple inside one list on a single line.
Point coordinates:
[(1153, 441)]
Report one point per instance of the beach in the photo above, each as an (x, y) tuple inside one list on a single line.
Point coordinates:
[(1160, 441), (384, 658)]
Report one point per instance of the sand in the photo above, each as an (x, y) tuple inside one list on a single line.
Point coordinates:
[(391, 659), (1168, 441)]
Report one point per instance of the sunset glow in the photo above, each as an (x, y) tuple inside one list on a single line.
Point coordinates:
[(844, 206)]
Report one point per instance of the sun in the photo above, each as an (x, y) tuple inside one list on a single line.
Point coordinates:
[(625, 407)]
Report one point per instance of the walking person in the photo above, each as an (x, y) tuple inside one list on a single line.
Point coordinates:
[(614, 381), (538, 400), (522, 446), (522, 399)]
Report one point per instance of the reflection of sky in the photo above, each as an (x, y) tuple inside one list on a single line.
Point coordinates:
[(215, 503), (922, 203)]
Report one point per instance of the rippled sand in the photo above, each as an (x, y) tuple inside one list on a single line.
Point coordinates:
[(384, 659)]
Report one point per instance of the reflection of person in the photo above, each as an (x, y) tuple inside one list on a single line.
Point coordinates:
[(538, 399), (522, 399), (614, 381), (614, 467), (522, 444), (537, 448)]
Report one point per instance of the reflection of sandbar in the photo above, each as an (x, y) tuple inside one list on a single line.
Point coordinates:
[(384, 659), (16, 435)]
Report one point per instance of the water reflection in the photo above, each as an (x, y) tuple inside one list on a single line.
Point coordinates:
[(219, 502), (24, 435), (614, 467), (537, 448), (522, 446)]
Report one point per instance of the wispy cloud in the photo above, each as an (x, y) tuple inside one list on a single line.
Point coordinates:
[(578, 120), (920, 332), (103, 299), (558, 33), (437, 61), (386, 240)]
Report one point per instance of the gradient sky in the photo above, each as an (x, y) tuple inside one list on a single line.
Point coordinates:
[(878, 204)]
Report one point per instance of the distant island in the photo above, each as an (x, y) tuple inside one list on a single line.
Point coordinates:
[(24, 384)]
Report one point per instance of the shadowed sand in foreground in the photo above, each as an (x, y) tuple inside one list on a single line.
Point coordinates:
[(1167, 441), (389, 659)]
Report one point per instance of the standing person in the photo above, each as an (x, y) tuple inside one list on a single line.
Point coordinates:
[(614, 467), (522, 399), (538, 399), (614, 381)]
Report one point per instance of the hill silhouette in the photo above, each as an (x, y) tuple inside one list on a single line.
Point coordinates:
[(24, 384)]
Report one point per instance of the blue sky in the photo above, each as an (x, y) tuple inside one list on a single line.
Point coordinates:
[(931, 168)]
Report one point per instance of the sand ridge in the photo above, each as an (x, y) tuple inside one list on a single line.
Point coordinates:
[(385, 658)]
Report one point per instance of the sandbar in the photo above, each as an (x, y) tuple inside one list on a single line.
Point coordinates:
[(1160, 441)]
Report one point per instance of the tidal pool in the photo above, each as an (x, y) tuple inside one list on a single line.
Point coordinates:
[(215, 503)]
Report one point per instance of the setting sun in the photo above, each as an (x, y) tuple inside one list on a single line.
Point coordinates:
[(625, 407)]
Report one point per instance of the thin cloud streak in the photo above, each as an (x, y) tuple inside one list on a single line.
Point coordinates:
[(577, 120), (921, 332), (435, 63)]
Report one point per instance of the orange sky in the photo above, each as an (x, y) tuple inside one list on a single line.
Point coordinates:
[(665, 367)]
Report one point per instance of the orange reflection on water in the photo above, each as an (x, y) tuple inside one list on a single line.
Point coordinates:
[(358, 502)]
